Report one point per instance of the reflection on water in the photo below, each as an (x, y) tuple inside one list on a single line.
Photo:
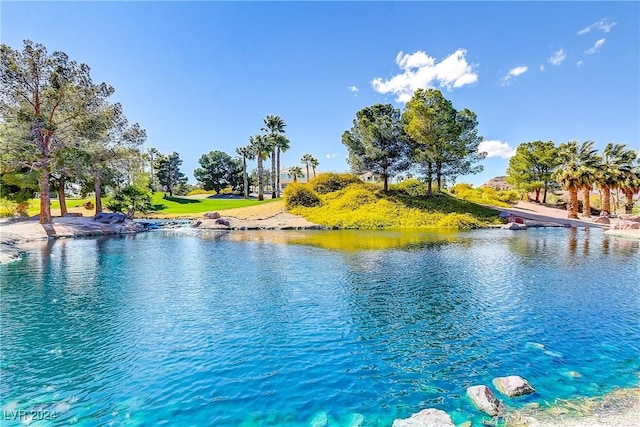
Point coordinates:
[(186, 327)]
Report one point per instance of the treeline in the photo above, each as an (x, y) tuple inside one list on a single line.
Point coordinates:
[(430, 137), (577, 167)]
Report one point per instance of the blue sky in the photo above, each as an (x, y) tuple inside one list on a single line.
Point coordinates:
[(201, 76)]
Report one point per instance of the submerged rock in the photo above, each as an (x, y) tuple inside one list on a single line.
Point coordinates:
[(513, 386), (484, 399), (430, 417), (321, 419)]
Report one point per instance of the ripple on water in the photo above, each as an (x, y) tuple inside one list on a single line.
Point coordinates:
[(177, 328)]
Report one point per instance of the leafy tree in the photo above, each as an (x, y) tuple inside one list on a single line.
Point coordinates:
[(246, 153), (129, 200), (295, 172), (168, 171), (575, 162), (630, 182), (531, 167), (282, 145), (218, 171), (19, 187), (376, 142), (274, 126), (153, 153), (48, 94), (308, 160), (261, 148), (615, 158)]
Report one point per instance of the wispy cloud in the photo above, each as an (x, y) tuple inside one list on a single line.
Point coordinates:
[(557, 58), (331, 156), (354, 89), (513, 73), (419, 70), (603, 25), (542, 68), (579, 63), (495, 148), (596, 47)]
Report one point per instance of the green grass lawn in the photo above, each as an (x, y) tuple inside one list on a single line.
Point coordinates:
[(161, 206)]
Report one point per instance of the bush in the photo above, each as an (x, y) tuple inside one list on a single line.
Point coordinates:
[(196, 191), (411, 187), (300, 195), (130, 199), (329, 182)]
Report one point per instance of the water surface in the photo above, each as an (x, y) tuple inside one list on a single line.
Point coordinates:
[(181, 327)]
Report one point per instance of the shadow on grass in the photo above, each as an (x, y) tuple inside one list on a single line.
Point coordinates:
[(181, 200), (444, 203), (159, 207)]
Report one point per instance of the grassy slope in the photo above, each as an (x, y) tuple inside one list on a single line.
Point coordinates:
[(361, 206), (169, 207)]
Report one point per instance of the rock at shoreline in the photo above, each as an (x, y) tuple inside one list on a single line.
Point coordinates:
[(484, 399), (602, 220), (629, 217), (212, 215), (623, 224), (513, 386), (109, 218), (224, 222), (514, 226), (430, 417)]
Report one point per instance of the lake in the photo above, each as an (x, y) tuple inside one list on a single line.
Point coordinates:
[(183, 327)]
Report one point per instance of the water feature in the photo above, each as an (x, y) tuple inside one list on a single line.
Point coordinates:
[(182, 327)]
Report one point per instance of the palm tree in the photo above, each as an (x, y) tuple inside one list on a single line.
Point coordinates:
[(587, 178), (610, 176), (306, 160), (260, 147), (630, 183), (295, 172), (314, 164), (246, 153), (274, 126), (575, 161), (282, 145)]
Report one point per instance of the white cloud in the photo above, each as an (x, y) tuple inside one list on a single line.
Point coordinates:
[(595, 47), (514, 72), (331, 156), (604, 25), (558, 58), (420, 70), (496, 148), (353, 88), (579, 63), (542, 68)]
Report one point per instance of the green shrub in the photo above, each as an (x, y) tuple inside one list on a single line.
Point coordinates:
[(329, 182), (300, 195), (411, 187)]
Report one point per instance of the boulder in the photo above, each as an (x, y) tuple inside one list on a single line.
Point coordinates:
[(110, 218), (73, 214), (602, 220), (513, 385), (625, 225), (222, 221), (212, 215), (629, 217), (483, 398), (514, 226), (430, 417), (89, 205)]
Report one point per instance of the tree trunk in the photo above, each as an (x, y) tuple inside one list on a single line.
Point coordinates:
[(537, 195), (314, 172), (273, 174), (586, 202), (61, 197), (386, 184), (544, 196), (307, 173), (245, 179), (260, 183), (573, 204), (98, 191), (45, 197), (628, 206), (606, 201), (278, 188)]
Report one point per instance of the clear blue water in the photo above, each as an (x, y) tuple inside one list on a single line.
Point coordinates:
[(179, 328)]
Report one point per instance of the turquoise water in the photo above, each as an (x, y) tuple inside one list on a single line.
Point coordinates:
[(181, 328)]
